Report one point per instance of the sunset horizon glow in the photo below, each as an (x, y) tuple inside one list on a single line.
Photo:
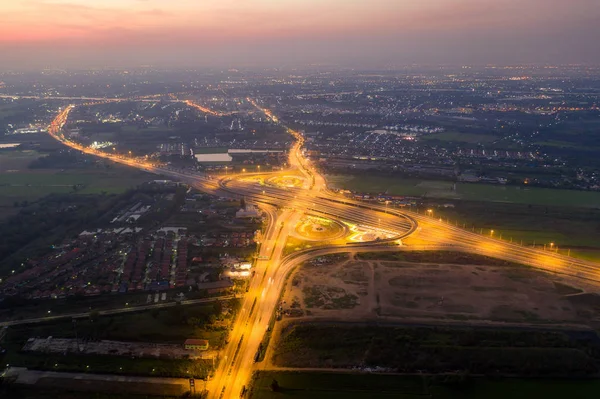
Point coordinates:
[(283, 32)]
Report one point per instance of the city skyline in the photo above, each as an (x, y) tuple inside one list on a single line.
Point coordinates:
[(380, 33)]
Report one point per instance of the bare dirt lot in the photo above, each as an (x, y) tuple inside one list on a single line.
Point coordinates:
[(374, 289)]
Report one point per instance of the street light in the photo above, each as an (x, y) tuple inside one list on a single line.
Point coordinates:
[(430, 212), (491, 233)]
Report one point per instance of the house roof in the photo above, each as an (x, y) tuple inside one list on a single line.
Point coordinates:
[(192, 341)]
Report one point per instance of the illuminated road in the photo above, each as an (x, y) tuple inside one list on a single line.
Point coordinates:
[(285, 206)]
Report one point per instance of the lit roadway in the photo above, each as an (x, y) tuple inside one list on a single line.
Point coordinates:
[(285, 207)]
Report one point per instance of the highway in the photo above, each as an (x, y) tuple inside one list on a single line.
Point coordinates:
[(284, 207)]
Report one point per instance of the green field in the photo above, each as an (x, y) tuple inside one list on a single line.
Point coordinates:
[(48, 388), (18, 183), (172, 325), (437, 349), (442, 257), (16, 159), (573, 230), (466, 191), (10, 109), (128, 129), (94, 180), (530, 195), (210, 150), (315, 385), (563, 144), (379, 184), (30, 186), (533, 216)]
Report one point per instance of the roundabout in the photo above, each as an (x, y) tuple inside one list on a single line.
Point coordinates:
[(370, 227), (315, 228), (289, 181)]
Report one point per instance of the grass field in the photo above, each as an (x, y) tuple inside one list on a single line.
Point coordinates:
[(172, 325), (106, 364), (30, 186), (437, 349), (563, 144), (17, 160), (210, 150), (10, 109), (533, 195), (466, 191), (586, 254), (315, 385), (573, 230), (44, 391), (127, 129), (113, 181), (448, 257), (19, 183), (165, 325), (378, 184)]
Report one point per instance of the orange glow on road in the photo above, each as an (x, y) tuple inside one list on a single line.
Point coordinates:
[(287, 206), (204, 109), (55, 130)]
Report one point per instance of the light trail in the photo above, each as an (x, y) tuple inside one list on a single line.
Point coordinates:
[(204, 109), (285, 207)]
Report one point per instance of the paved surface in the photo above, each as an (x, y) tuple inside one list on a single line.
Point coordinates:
[(421, 232)]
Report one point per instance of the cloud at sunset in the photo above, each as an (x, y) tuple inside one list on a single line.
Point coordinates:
[(55, 32)]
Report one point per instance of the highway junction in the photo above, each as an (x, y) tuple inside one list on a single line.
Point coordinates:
[(298, 203)]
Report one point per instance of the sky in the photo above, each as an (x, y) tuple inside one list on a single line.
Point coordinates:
[(288, 33)]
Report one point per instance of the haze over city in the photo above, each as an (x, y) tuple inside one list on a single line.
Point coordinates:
[(350, 33), (308, 199)]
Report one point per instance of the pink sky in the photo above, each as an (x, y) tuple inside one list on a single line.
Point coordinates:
[(213, 32)]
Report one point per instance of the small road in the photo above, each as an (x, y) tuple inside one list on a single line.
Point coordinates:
[(109, 312), (424, 232)]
